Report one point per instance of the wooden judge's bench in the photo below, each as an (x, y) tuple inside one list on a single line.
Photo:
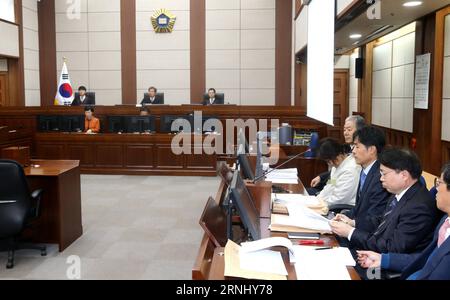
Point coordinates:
[(143, 154)]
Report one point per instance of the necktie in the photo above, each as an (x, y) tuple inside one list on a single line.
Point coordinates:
[(389, 210), (362, 180), (443, 232)]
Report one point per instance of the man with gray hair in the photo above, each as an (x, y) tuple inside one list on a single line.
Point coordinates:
[(351, 125)]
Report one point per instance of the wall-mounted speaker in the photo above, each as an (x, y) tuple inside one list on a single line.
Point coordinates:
[(359, 68)]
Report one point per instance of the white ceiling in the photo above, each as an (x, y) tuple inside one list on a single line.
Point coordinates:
[(393, 14)]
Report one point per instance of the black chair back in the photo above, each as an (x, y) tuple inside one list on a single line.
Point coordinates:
[(158, 95), (91, 95), (220, 97), (15, 199)]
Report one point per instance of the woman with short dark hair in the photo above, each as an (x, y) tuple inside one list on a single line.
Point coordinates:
[(343, 183)]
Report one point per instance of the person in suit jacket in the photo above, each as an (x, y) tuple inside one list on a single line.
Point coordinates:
[(351, 125), (371, 197), (211, 98), (410, 216), (82, 98), (91, 123), (343, 183), (433, 263), (152, 98)]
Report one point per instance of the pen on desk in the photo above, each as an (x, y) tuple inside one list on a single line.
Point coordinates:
[(324, 248)]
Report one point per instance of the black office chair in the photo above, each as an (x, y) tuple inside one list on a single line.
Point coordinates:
[(91, 95), (158, 95), (340, 208), (18, 208), (220, 98)]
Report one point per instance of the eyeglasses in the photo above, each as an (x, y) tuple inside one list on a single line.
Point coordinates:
[(385, 173), (438, 182)]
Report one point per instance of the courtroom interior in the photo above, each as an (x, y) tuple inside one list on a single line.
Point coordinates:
[(224, 139)]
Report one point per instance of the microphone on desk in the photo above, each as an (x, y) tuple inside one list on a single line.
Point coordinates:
[(283, 164)]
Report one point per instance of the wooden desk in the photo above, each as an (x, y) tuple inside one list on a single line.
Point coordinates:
[(218, 267), (210, 262), (126, 154), (60, 220)]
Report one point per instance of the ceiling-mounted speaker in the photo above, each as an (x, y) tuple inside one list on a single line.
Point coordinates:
[(359, 68)]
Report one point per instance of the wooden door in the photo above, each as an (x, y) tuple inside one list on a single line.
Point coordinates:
[(3, 89), (341, 90)]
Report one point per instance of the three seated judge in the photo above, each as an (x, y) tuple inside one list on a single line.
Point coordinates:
[(152, 97)]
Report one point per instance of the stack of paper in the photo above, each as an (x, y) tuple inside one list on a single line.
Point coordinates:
[(283, 176), (326, 264), (279, 202), (295, 198), (258, 264), (300, 219)]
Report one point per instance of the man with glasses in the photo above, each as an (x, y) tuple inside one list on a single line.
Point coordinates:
[(433, 263), (410, 216)]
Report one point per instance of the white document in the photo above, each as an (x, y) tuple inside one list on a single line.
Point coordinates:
[(329, 264), (282, 180), (267, 243), (265, 261), (301, 216), (340, 255), (289, 176), (285, 171), (295, 198)]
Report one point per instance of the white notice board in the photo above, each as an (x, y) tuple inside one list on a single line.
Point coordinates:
[(422, 83)]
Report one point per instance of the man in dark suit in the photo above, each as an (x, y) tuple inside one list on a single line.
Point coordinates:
[(410, 216), (211, 98), (371, 197), (82, 98), (433, 263), (152, 98)]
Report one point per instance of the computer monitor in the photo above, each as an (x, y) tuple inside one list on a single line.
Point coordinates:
[(226, 173), (72, 123), (245, 207), (245, 166), (214, 223), (48, 123), (140, 124), (181, 124), (211, 126), (242, 143), (116, 124), (260, 137)]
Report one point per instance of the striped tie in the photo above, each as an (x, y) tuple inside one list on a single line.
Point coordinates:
[(390, 209)]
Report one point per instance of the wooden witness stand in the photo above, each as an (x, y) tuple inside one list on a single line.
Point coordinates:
[(210, 261)]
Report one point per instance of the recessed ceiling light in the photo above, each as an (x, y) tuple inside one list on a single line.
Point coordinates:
[(412, 3), (355, 36)]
